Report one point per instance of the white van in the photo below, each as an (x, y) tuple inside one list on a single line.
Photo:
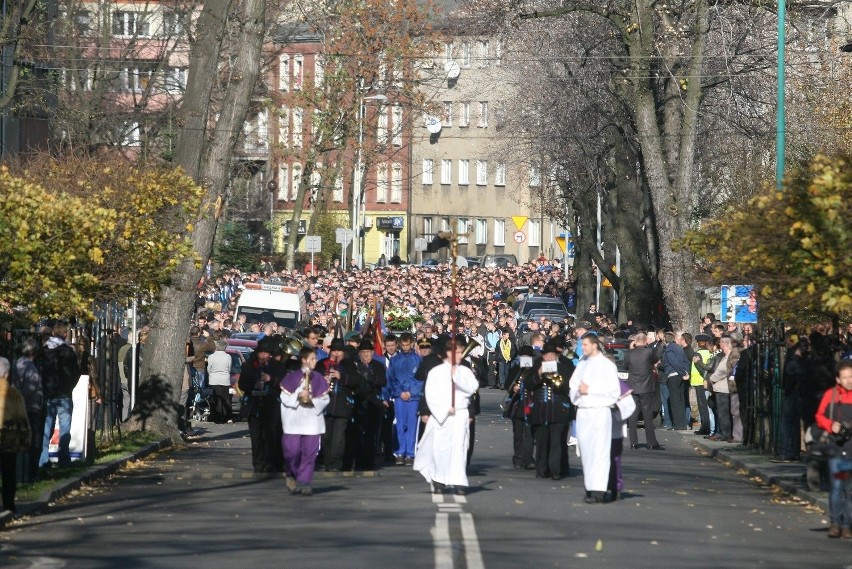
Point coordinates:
[(269, 302)]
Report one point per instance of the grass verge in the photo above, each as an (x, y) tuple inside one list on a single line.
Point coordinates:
[(107, 451)]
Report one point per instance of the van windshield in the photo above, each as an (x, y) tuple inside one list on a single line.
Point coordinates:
[(285, 318)]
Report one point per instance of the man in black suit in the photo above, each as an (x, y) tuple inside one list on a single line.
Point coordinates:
[(640, 360)]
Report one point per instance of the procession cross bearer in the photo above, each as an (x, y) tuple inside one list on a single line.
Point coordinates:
[(442, 452)]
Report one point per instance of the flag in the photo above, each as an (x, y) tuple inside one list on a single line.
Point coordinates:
[(378, 335)]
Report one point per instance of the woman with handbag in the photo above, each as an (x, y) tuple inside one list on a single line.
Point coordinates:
[(835, 417), (14, 433)]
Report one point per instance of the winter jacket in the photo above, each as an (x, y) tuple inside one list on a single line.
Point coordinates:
[(401, 375)]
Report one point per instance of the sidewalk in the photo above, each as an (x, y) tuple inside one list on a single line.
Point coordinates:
[(789, 477), (64, 487)]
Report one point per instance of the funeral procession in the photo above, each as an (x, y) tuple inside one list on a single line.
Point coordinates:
[(435, 284)]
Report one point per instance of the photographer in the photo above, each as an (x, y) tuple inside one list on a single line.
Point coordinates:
[(835, 416)]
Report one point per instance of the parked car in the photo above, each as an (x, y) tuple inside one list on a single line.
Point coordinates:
[(501, 260), (430, 263), (474, 261)]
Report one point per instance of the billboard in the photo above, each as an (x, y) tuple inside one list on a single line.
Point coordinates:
[(739, 304)]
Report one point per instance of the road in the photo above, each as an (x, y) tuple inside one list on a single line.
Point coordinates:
[(201, 508)]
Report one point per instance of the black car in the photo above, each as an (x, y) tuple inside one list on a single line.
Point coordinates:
[(535, 305)]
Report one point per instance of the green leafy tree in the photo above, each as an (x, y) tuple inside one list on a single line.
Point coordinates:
[(793, 245), (105, 230)]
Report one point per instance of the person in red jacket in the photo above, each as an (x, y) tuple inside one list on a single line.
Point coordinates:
[(835, 416)]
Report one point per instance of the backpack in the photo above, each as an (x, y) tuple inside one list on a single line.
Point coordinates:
[(60, 371)]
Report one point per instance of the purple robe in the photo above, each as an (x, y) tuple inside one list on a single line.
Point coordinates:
[(292, 382)]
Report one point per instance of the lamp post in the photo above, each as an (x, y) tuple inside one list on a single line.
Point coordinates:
[(358, 183)]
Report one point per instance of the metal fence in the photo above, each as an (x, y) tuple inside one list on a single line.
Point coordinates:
[(98, 343), (761, 398)]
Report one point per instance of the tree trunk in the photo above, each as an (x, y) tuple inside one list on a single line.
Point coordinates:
[(293, 238), (669, 177), (206, 156)]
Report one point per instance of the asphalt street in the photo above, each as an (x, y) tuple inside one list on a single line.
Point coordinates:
[(201, 507)]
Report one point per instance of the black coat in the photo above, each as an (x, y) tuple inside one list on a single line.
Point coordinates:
[(640, 369), (549, 403), (373, 379), (343, 391)]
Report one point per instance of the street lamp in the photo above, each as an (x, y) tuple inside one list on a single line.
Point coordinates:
[(358, 182)]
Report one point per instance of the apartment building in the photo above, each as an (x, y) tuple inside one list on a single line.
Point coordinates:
[(462, 181), (379, 199)]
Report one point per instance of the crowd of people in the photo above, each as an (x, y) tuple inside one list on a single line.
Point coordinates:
[(695, 382)]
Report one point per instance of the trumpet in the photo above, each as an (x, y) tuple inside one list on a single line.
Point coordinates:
[(292, 345), (552, 379)]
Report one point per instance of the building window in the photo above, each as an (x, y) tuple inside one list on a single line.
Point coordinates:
[(448, 114), (483, 114), (316, 183), (481, 231), (500, 232), (462, 228), (464, 114), (427, 226), (448, 52), (535, 176), (131, 135), (445, 224), (464, 172), (284, 72), (338, 189), (283, 182), (298, 71), (319, 70), (465, 54), (297, 127), (297, 181), (446, 171), (428, 166), (481, 173), (500, 174), (484, 54), (535, 233), (382, 183), (382, 128), (397, 125), (498, 53), (175, 81), (128, 24), (284, 127), (396, 183)]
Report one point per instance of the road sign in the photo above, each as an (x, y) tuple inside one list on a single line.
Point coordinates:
[(519, 220), (312, 243), (519, 237), (343, 236), (561, 242)]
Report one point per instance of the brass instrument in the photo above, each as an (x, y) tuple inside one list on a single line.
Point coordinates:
[(292, 345), (554, 380), (471, 345)]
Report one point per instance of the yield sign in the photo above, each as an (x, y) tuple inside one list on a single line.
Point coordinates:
[(561, 242), (519, 220)]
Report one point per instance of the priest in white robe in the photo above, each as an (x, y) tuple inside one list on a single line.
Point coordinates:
[(441, 455), (594, 389)]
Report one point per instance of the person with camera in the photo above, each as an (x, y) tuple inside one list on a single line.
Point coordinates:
[(835, 416)]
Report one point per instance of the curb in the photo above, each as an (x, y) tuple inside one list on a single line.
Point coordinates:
[(819, 500), (44, 501)]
